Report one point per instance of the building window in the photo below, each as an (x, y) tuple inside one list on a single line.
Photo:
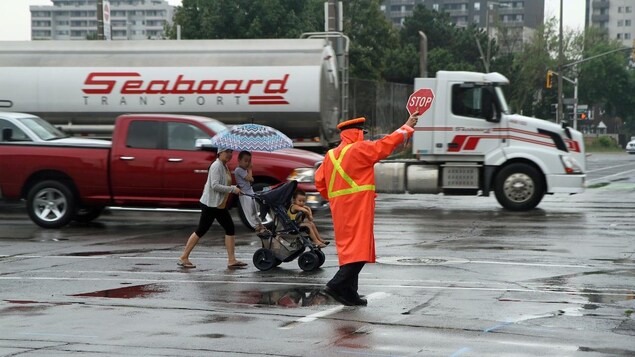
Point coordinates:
[(620, 23), (619, 9), (477, 7), (629, 9), (435, 7), (627, 36), (627, 23), (619, 36), (477, 19)]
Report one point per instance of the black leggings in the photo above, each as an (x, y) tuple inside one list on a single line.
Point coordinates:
[(209, 214)]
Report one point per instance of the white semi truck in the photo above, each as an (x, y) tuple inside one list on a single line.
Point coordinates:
[(468, 143), (290, 84)]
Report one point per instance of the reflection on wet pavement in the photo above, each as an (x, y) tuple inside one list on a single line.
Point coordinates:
[(289, 297), (128, 292)]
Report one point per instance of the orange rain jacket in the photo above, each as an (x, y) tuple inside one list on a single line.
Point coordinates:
[(351, 190)]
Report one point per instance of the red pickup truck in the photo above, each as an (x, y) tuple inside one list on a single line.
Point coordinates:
[(152, 161)]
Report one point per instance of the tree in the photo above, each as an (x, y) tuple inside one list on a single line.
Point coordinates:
[(449, 47), (373, 39), (236, 19), (605, 80)]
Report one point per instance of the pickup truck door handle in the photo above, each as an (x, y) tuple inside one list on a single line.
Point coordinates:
[(200, 171), (127, 158), (175, 159)]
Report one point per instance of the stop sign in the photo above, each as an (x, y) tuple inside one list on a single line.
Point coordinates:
[(420, 101)]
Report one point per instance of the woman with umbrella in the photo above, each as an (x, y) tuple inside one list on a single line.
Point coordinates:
[(214, 207), (251, 137)]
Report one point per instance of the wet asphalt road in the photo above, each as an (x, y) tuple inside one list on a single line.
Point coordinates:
[(456, 276)]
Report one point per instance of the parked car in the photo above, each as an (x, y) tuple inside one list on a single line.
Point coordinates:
[(156, 161), (630, 147)]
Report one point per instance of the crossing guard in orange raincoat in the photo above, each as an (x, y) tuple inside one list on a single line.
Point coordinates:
[(347, 179)]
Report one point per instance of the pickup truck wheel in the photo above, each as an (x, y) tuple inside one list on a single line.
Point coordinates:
[(87, 214), (50, 204), (267, 221), (519, 187)]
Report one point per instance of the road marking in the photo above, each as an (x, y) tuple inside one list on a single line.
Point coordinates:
[(626, 293), (310, 318), (608, 168), (367, 353), (606, 177), (531, 264), (544, 265), (460, 352), (54, 334)]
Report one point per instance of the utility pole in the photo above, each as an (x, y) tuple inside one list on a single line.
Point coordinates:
[(423, 55), (559, 116), (100, 20), (489, 46)]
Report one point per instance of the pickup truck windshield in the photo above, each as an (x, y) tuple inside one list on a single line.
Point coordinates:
[(43, 129)]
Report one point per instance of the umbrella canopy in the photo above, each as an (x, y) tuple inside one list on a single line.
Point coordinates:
[(252, 137)]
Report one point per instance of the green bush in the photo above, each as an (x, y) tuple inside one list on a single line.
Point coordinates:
[(603, 143)]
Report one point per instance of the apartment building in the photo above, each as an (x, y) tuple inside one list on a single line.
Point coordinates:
[(511, 13), (77, 19), (616, 16)]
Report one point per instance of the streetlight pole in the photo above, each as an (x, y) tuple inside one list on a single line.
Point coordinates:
[(423, 55), (559, 116), (575, 103), (486, 62)]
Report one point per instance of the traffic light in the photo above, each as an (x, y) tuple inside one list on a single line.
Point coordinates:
[(549, 83)]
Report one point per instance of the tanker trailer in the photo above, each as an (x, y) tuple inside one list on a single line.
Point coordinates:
[(289, 84)]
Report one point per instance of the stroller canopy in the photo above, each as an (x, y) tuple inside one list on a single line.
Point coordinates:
[(281, 195)]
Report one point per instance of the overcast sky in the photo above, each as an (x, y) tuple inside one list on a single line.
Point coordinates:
[(15, 17)]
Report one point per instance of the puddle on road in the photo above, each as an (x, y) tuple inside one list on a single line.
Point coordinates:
[(294, 297), (609, 351), (596, 296), (128, 292), (106, 252), (225, 318), (27, 307), (213, 335)]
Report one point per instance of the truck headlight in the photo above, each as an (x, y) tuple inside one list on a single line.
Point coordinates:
[(302, 174), (571, 165)]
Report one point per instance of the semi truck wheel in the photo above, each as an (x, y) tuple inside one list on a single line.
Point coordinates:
[(50, 204), (87, 214), (519, 187)]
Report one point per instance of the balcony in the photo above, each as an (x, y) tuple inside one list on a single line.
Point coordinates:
[(454, 13), (600, 17), (600, 4)]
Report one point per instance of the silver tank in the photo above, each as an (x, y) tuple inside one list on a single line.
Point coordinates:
[(290, 84)]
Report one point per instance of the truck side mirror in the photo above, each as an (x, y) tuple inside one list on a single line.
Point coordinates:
[(7, 134), (489, 105)]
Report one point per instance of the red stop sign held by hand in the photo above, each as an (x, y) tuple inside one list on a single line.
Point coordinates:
[(420, 101)]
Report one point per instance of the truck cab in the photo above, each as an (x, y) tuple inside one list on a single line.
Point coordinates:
[(472, 143)]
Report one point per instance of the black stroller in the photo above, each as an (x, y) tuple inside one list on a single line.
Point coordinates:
[(285, 240)]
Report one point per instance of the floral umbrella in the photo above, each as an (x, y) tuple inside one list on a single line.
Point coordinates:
[(252, 137)]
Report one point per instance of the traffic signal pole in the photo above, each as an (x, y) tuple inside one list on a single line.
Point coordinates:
[(559, 114), (575, 97)]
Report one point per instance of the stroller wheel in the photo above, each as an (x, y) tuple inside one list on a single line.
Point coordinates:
[(308, 261), (264, 259), (321, 257)]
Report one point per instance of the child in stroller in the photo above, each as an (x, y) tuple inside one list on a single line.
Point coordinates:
[(286, 240)]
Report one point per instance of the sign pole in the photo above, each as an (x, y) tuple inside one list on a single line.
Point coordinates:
[(575, 103)]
